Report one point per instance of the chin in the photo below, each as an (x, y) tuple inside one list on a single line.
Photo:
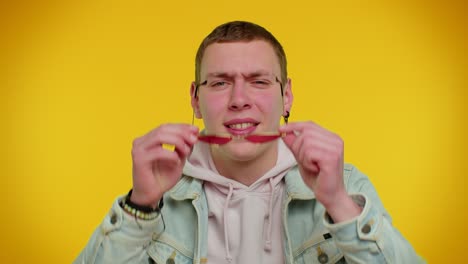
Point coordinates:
[(242, 151)]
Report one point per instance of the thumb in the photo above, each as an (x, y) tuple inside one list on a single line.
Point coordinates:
[(289, 139)]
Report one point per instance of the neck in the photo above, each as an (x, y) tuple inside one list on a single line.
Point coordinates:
[(247, 171)]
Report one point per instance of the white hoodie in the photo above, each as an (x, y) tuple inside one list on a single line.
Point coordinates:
[(244, 222)]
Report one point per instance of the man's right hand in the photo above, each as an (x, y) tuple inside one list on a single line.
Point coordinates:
[(157, 169)]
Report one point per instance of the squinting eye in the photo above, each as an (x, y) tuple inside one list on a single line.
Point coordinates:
[(219, 84), (260, 83)]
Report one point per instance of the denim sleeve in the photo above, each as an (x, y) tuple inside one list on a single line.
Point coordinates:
[(369, 237), (120, 239)]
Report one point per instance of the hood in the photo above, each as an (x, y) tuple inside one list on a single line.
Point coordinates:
[(200, 165)]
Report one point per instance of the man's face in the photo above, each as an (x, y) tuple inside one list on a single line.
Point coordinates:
[(242, 95)]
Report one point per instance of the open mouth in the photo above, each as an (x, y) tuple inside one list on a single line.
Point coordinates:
[(241, 128)]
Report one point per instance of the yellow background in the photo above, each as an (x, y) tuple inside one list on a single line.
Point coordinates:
[(81, 79)]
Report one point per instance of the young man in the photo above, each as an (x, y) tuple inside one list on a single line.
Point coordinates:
[(245, 190)]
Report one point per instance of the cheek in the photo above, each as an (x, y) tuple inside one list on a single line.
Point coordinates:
[(270, 104), (211, 107)]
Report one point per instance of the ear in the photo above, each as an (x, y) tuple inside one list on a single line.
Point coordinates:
[(287, 97), (194, 100)]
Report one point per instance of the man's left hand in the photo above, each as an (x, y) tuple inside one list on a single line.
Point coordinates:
[(319, 154)]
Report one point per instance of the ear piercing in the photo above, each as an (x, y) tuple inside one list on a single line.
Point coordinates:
[(286, 117)]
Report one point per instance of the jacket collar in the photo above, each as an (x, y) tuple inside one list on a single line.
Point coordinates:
[(186, 188), (295, 186)]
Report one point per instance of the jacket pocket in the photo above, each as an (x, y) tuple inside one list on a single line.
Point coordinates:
[(322, 252), (164, 253)]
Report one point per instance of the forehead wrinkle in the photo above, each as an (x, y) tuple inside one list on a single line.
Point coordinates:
[(258, 73)]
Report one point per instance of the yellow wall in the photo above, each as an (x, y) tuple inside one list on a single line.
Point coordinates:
[(80, 79)]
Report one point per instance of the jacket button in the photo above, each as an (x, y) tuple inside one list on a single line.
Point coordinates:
[(366, 229), (323, 258), (113, 219)]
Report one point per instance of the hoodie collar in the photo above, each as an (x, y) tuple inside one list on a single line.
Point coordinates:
[(201, 160), (190, 188), (200, 165)]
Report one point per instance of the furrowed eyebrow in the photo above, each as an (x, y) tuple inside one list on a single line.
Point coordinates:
[(220, 75), (258, 74)]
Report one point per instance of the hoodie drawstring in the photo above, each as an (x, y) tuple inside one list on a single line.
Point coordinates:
[(226, 240), (270, 218)]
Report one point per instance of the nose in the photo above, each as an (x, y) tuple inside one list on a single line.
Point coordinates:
[(240, 98)]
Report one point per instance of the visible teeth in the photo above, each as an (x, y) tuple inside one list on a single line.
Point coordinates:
[(241, 125)]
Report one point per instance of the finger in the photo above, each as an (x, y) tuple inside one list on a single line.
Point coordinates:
[(141, 154), (308, 161), (295, 141), (297, 126), (148, 157), (176, 138), (173, 128), (322, 136), (164, 156), (289, 139), (301, 127), (165, 142), (317, 148), (183, 130), (311, 129), (182, 152), (322, 154), (188, 132)]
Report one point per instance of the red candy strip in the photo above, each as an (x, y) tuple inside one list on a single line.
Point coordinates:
[(220, 140), (214, 139)]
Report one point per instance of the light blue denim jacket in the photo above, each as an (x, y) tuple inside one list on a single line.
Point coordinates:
[(309, 236)]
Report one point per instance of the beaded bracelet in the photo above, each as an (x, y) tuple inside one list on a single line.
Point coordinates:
[(138, 211)]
